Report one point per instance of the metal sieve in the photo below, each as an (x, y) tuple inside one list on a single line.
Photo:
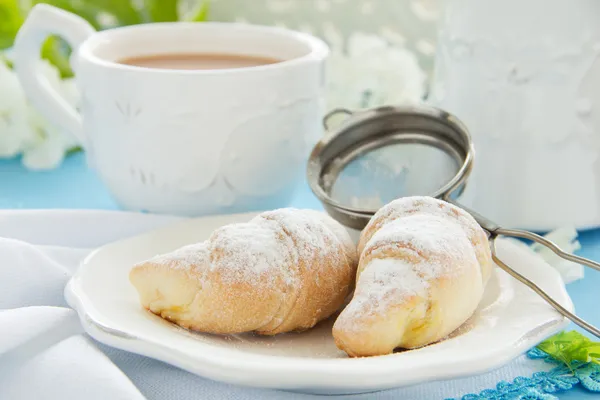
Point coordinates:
[(377, 155)]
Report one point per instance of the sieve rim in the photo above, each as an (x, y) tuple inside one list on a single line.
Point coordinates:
[(357, 215)]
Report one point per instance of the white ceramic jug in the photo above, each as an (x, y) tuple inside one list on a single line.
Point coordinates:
[(525, 78)]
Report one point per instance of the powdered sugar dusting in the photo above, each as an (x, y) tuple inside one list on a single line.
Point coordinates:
[(266, 249), (184, 257), (244, 252), (432, 237), (427, 205), (338, 230), (311, 235), (433, 247), (386, 281)]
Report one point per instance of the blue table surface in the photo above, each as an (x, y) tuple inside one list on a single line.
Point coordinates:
[(75, 186)]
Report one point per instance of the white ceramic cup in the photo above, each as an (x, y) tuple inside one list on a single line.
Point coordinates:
[(186, 142)]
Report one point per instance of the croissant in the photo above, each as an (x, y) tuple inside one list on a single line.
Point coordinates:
[(424, 264), (285, 270)]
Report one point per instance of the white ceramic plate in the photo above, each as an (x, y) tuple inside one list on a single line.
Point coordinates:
[(509, 320)]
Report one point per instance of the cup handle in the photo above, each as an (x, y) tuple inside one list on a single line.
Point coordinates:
[(42, 21)]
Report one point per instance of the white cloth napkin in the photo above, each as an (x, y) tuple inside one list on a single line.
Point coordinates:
[(44, 353)]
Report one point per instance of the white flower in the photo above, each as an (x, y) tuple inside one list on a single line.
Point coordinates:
[(281, 6), (23, 130), (186, 9), (370, 72), (566, 239), (47, 144), (46, 154), (106, 20), (426, 10), (13, 113)]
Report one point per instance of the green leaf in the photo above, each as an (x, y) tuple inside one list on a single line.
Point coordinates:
[(55, 49), (122, 10), (571, 346), (6, 61), (85, 9), (74, 150), (11, 19), (201, 14), (162, 10), (99, 13), (57, 52)]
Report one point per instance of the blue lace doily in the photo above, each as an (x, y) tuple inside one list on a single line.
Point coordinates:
[(541, 385)]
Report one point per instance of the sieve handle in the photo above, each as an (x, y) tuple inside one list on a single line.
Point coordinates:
[(333, 113), (539, 291), (490, 226), (494, 230), (517, 233)]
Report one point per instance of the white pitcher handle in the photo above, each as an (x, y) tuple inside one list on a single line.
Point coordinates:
[(43, 21)]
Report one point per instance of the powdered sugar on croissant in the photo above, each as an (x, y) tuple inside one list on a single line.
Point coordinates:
[(284, 270), (423, 267)]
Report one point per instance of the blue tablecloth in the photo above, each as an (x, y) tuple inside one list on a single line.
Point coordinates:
[(73, 185)]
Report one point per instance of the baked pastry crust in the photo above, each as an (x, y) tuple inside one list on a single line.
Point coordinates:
[(285, 270), (423, 267)]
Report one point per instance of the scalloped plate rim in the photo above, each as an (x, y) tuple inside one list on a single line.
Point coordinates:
[(325, 376)]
